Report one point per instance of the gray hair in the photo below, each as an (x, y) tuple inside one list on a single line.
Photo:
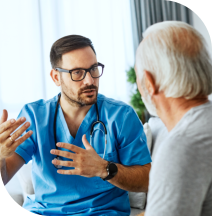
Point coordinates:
[(177, 57)]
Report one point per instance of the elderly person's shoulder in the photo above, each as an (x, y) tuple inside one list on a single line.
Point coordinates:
[(184, 161), (196, 124), (192, 133), (189, 144)]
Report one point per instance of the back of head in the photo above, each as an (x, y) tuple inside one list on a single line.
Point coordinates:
[(67, 44), (177, 57)]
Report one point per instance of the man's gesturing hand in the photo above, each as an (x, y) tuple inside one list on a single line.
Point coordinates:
[(86, 161), (8, 142)]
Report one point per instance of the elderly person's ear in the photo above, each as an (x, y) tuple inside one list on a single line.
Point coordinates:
[(149, 83)]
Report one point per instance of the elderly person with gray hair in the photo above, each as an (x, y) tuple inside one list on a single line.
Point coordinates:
[(174, 76)]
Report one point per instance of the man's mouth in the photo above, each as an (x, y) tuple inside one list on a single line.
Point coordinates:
[(89, 90)]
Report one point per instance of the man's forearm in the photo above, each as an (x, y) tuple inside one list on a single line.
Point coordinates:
[(3, 169), (131, 178)]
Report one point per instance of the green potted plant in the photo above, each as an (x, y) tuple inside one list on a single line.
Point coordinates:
[(136, 100)]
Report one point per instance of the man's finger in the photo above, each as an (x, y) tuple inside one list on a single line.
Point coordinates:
[(21, 140), (86, 143), (70, 147), (4, 116), (64, 163), (68, 172), (17, 134), (13, 127), (63, 154), (5, 125)]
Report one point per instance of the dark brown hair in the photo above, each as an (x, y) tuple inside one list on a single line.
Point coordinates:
[(67, 44)]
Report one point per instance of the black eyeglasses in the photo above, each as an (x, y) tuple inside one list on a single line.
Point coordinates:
[(79, 74)]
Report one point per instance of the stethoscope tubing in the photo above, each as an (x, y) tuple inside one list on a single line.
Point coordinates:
[(92, 130)]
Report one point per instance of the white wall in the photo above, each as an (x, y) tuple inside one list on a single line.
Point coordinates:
[(200, 26)]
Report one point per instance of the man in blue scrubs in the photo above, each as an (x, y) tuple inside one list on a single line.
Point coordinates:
[(85, 179)]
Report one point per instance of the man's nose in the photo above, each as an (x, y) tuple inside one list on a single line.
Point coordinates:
[(88, 79)]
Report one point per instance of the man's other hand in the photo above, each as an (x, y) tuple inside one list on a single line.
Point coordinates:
[(8, 138), (86, 161)]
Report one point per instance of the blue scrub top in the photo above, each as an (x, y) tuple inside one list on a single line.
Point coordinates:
[(57, 194)]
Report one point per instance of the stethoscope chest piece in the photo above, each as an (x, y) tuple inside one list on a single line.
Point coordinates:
[(57, 166)]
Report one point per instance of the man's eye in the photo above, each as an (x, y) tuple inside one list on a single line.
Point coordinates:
[(94, 68), (76, 72)]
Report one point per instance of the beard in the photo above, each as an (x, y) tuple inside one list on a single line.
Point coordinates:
[(80, 99), (150, 106)]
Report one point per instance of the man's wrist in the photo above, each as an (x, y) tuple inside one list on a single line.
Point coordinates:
[(103, 173)]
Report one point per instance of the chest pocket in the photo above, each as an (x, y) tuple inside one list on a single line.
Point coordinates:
[(99, 183)]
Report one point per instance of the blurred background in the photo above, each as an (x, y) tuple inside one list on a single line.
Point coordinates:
[(30, 27)]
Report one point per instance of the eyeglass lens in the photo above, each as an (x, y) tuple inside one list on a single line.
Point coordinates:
[(95, 72)]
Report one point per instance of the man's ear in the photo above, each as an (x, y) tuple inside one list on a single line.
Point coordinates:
[(55, 75), (150, 83)]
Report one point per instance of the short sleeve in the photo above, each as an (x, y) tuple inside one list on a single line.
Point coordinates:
[(132, 144), (28, 147)]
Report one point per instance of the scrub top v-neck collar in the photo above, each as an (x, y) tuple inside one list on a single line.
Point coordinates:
[(85, 125)]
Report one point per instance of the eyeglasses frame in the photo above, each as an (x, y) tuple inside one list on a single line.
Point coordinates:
[(86, 70)]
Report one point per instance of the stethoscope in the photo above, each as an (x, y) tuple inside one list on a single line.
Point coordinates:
[(91, 131)]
